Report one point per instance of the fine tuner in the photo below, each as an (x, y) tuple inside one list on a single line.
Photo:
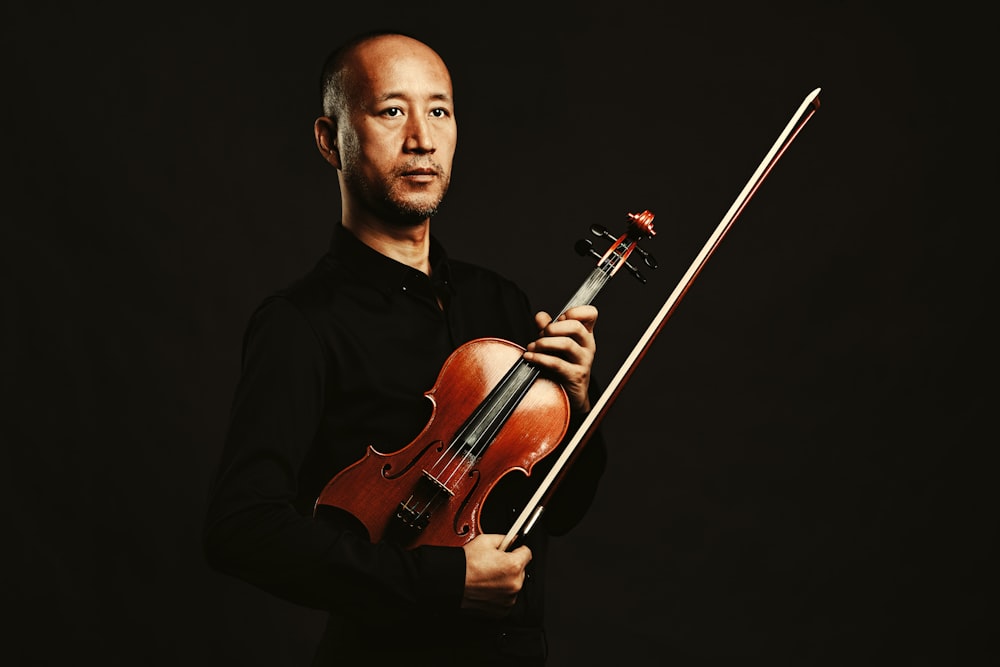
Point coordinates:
[(585, 247)]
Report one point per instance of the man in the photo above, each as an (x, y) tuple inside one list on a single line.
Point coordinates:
[(341, 360)]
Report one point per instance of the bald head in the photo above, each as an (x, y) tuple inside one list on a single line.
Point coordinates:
[(389, 127), (339, 75)]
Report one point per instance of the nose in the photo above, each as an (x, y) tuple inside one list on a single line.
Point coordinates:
[(419, 138)]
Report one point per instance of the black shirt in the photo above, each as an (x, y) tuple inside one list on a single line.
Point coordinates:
[(338, 362)]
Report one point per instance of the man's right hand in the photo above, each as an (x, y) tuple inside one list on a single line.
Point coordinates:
[(493, 578)]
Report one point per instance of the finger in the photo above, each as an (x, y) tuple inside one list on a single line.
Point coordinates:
[(564, 347), (568, 329), (524, 552), (586, 315), (577, 346), (559, 369)]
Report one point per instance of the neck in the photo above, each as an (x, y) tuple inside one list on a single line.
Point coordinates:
[(408, 245)]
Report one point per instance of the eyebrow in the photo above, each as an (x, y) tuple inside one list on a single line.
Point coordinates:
[(444, 97)]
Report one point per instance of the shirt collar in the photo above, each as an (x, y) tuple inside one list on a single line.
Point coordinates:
[(384, 273)]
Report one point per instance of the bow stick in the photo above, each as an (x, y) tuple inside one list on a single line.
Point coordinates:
[(536, 505)]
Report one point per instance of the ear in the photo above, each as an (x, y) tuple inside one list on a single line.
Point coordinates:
[(325, 131)]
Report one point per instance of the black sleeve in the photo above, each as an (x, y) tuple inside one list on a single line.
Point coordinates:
[(253, 530)]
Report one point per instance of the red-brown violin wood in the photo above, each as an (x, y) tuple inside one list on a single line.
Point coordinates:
[(493, 414)]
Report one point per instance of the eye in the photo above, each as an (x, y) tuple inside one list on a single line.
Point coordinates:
[(440, 113), (393, 112)]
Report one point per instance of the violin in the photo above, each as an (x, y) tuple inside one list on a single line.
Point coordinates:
[(494, 413)]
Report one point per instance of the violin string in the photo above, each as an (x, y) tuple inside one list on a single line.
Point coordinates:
[(496, 410), (454, 447), (479, 431), (516, 384), (473, 440)]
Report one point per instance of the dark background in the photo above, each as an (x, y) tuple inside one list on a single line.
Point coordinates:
[(803, 465)]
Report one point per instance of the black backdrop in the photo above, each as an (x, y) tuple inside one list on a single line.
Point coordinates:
[(802, 464)]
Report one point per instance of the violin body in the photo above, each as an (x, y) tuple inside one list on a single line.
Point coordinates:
[(432, 491)]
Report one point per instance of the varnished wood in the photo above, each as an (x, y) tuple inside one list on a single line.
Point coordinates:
[(372, 489)]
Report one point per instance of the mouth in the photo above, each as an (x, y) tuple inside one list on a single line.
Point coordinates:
[(420, 175)]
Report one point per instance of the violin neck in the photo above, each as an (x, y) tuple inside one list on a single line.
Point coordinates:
[(492, 413), (588, 291), (485, 422)]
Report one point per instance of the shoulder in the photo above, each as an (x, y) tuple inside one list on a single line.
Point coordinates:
[(309, 298), (290, 312), (315, 288)]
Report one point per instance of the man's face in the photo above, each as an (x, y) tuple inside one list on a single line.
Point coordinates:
[(398, 139)]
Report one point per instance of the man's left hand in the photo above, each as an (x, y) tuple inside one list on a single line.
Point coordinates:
[(566, 348)]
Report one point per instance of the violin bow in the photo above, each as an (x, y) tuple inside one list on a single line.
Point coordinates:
[(536, 505)]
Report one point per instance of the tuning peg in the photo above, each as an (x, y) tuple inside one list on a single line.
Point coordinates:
[(585, 247), (647, 258), (635, 272), (600, 231)]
